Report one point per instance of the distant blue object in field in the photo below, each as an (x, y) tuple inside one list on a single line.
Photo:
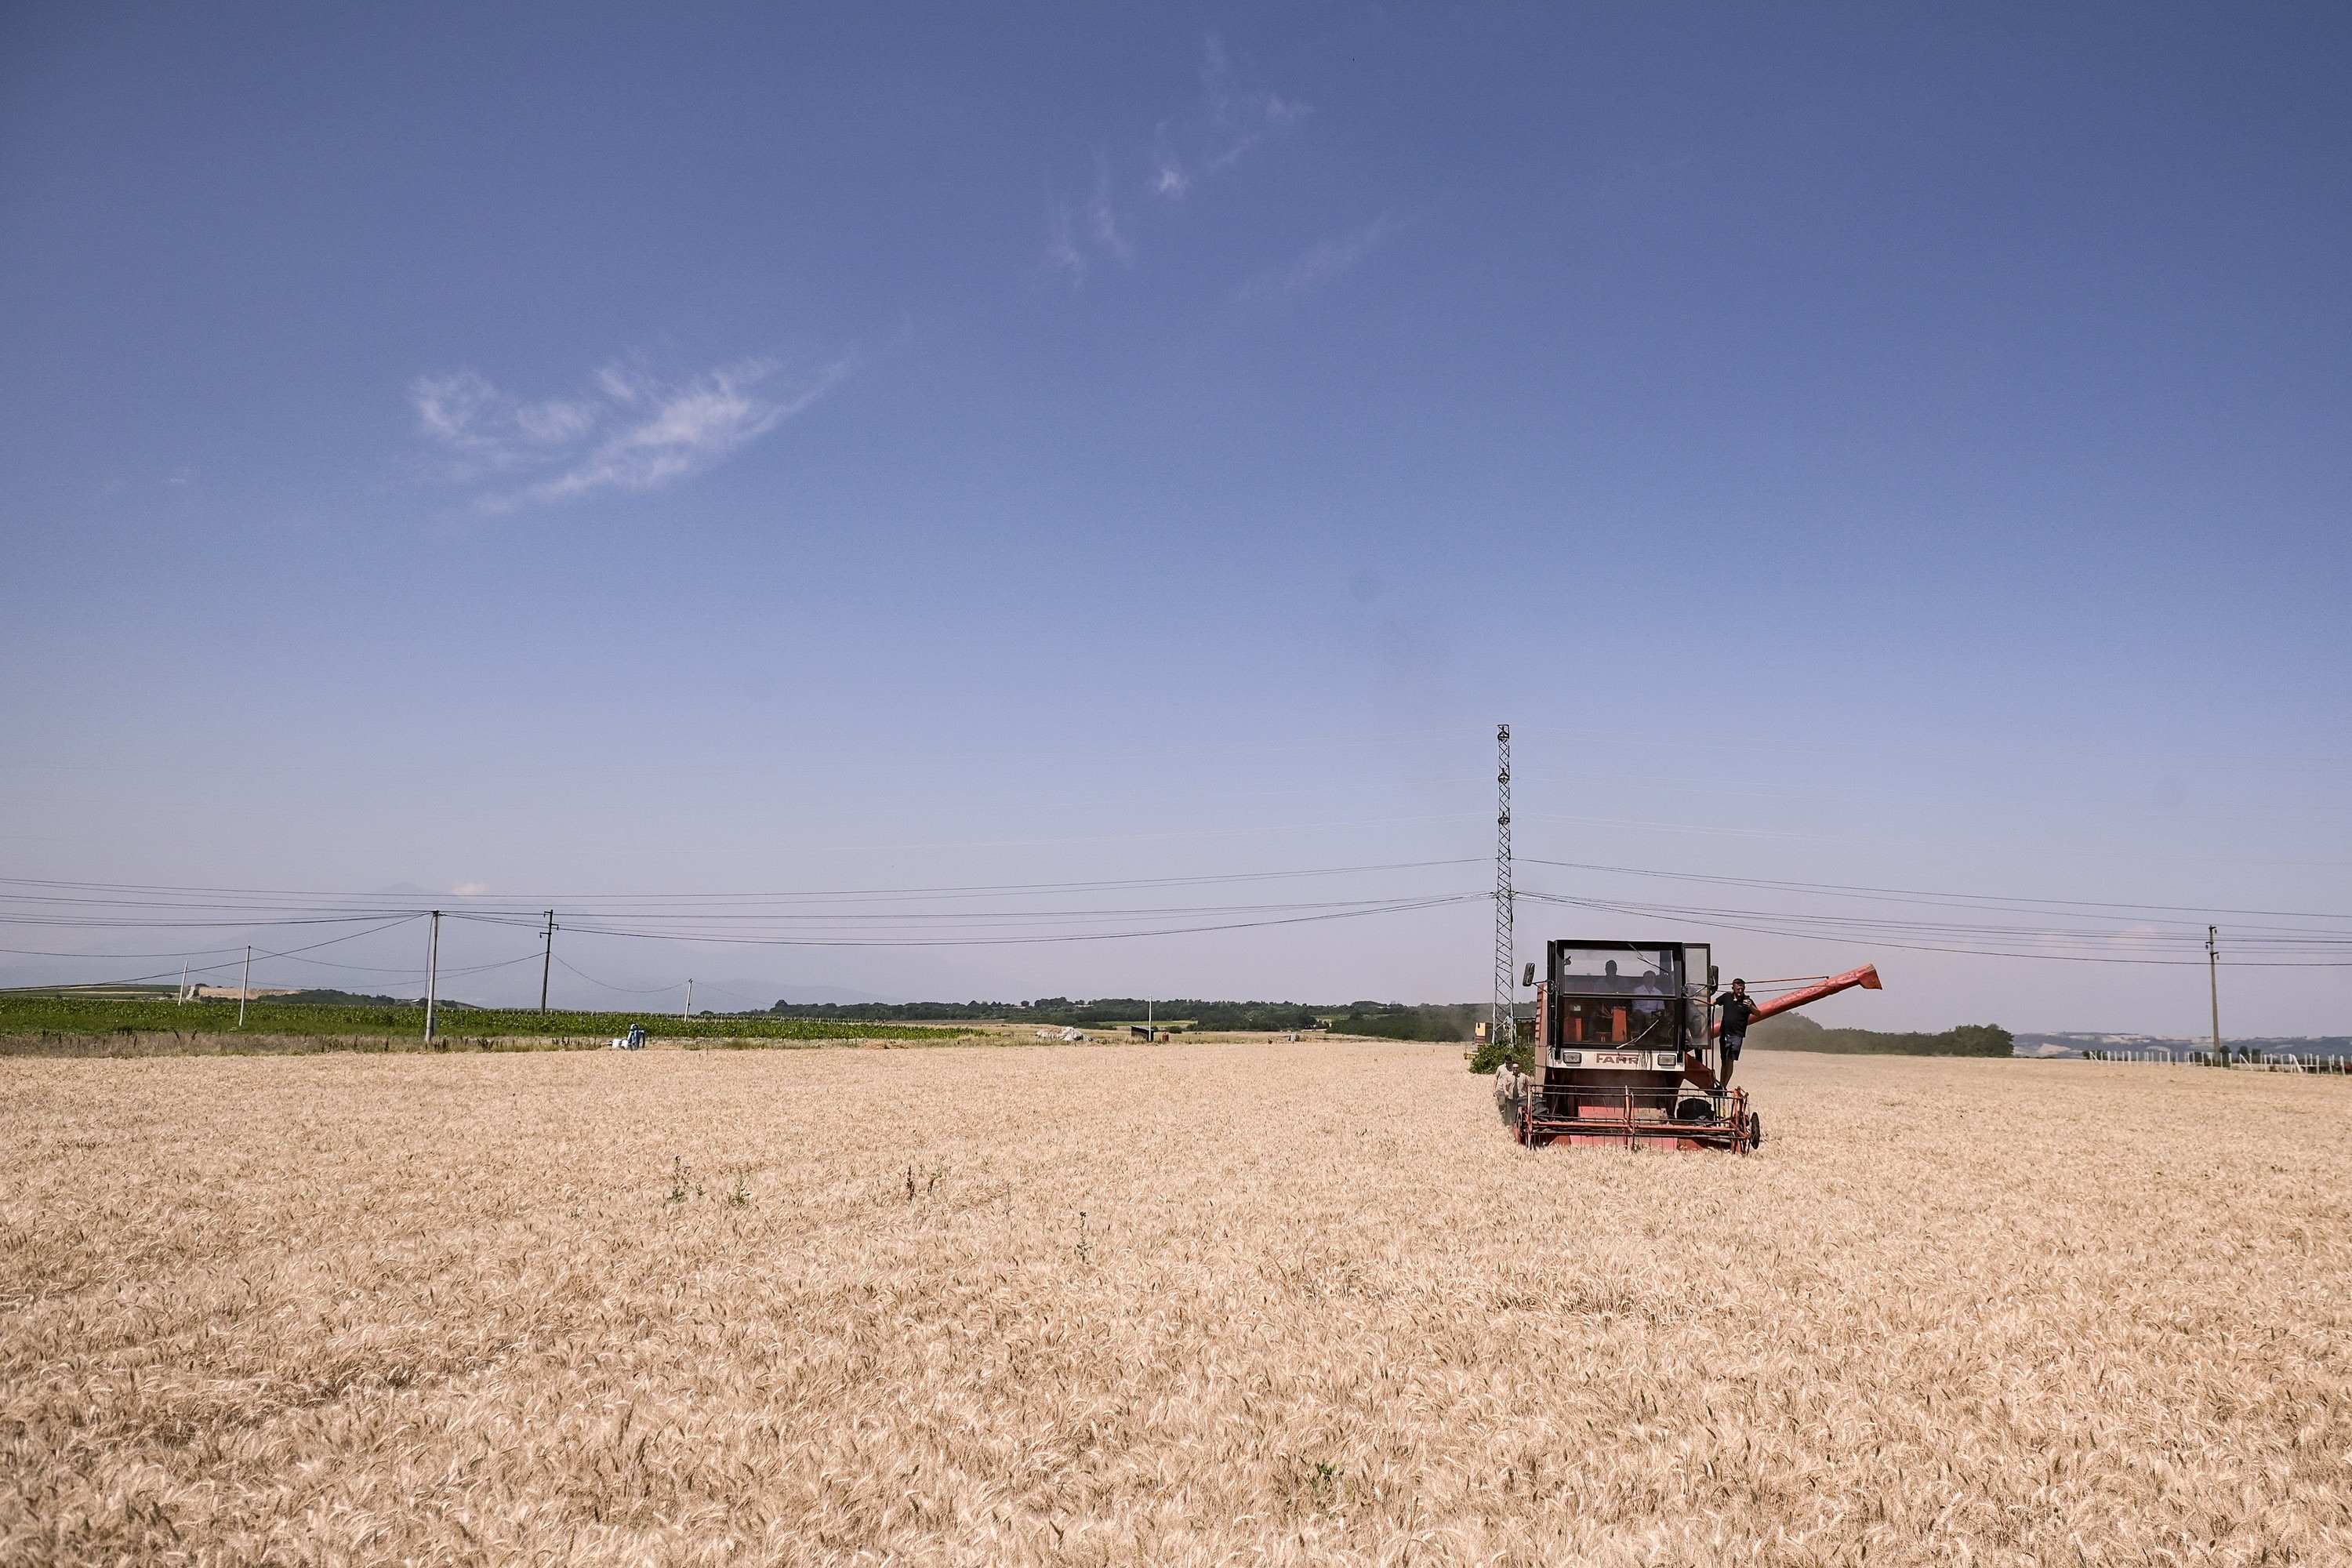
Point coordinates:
[(634, 1040)]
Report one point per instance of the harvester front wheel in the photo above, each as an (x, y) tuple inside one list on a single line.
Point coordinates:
[(1755, 1132)]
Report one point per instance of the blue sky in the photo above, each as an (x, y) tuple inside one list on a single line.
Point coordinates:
[(522, 452)]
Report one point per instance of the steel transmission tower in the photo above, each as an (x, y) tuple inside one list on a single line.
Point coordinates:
[(1502, 1027)]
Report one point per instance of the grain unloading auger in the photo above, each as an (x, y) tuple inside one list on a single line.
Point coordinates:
[(1626, 1051)]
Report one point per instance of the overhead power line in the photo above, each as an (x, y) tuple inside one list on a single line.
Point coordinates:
[(1004, 914), (805, 940), (226, 964), (579, 897), (1841, 888), (1887, 934)]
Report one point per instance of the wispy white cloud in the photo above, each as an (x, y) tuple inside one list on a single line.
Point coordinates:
[(1323, 262), (1231, 119), (558, 421), (1063, 253), (686, 429), (1102, 217), (1076, 238), (616, 385), (1169, 177), (450, 408), (1227, 120), (632, 432)]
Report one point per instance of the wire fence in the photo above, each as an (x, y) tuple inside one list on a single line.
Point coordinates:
[(2253, 1061)]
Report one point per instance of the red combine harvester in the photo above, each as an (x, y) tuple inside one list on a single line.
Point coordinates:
[(1626, 1052)]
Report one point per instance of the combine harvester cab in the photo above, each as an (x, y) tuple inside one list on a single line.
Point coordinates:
[(1625, 1048)]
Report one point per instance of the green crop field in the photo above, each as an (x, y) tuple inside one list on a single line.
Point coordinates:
[(35, 1016)]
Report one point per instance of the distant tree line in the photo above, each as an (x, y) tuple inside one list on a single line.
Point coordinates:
[(1384, 1020), (346, 1017), (1390, 1021), (1379, 1020), (1789, 1033), (348, 999)]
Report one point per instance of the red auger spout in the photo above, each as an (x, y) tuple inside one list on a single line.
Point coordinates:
[(1867, 977)]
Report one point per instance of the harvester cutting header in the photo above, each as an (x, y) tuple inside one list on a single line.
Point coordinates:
[(1628, 1048)]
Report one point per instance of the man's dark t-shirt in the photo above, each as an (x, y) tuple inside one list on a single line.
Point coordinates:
[(1737, 1011)]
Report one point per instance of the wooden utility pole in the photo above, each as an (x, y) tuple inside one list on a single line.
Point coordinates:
[(245, 986), (548, 962)]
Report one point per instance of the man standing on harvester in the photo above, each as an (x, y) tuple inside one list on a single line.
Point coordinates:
[(1738, 1009)]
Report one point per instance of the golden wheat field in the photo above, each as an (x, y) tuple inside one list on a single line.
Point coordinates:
[(1171, 1305)]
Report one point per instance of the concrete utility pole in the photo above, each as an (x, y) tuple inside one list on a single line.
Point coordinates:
[(183, 996), (245, 986), (548, 962), (2213, 974), (432, 972), (690, 1003)]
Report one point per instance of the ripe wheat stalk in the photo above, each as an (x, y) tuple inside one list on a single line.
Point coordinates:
[(1196, 1304)]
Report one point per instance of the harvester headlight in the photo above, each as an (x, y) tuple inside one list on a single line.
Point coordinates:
[(1572, 1058)]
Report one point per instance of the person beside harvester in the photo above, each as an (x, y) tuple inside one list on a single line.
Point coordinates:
[(1737, 1010), (1508, 1090)]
